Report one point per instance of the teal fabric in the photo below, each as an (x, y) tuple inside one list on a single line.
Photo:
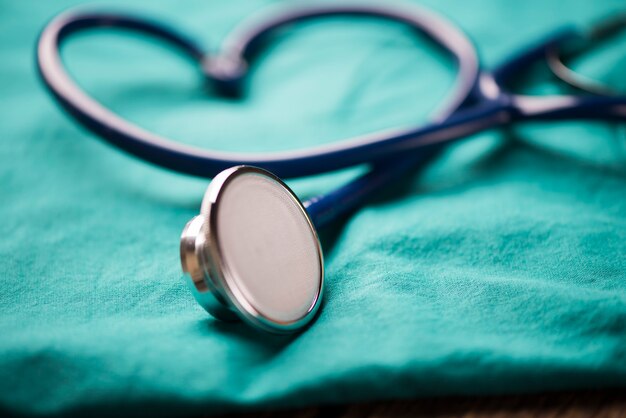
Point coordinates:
[(500, 268)]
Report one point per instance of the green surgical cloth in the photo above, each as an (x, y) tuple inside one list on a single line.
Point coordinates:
[(500, 268)]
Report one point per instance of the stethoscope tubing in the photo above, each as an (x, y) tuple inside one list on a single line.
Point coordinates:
[(479, 100), (238, 47)]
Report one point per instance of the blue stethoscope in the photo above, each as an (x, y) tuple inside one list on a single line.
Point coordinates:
[(253, 252)]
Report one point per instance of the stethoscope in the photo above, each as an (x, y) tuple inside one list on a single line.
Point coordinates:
[(253, 252)]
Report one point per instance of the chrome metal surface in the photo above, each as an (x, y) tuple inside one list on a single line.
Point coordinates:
[(557, 56), (215, 275)]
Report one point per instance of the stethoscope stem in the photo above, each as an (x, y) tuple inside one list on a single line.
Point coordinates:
[(339, 203)]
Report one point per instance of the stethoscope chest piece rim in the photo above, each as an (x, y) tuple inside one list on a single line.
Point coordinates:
[(253, 253)]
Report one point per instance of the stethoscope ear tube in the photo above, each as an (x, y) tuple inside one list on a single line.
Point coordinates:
[(227, 71)]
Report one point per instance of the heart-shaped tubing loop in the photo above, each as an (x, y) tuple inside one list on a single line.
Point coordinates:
[(227, 70)]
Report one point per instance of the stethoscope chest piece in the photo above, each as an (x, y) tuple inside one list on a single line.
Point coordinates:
[(253, 253)]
